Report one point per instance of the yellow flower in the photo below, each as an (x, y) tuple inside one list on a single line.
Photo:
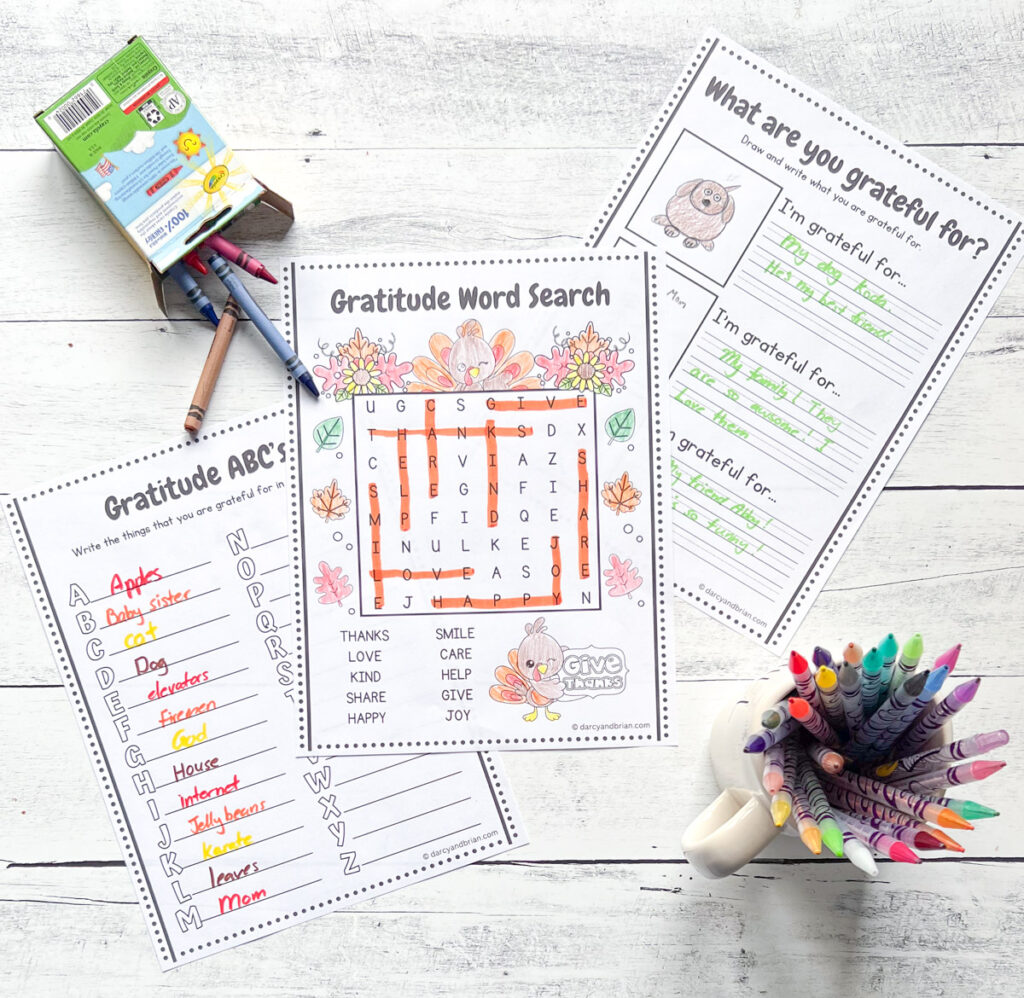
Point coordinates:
[(585, 371), (360, 375)]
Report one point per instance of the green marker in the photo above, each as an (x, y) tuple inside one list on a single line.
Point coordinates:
[(909, 657), (889, 649), (969, 810), (871, 682)]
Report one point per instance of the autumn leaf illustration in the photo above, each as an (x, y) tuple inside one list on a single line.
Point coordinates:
[(622, 578), (621, 495), (332, 586), (329, 503)]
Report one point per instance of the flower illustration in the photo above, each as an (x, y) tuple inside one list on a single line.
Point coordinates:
[(586, 362), (362, 367)]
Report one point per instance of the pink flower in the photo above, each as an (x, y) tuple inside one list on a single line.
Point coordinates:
[(333, 377), (615, 368), (393, 374), (556, 367)]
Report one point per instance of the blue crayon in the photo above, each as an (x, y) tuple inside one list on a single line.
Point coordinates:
[(278, 343), (193, 292)]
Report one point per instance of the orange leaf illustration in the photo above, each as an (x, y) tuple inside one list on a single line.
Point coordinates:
[(588, 341), (329, 502), (621, 495)]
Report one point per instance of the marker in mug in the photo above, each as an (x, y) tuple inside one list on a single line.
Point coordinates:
[(831, 833), (828, 759), (879, 841), (849, 690), (934, 717), (901, 800), (772, 777), (967, 772), (771, 736), (278, 343), (803, 678), (901, 710), (889, 648), (803, 712), (924, 762), (967, 809), (948, 658), (909, 657), (871, 684), (774, 716), (859, 854), (832, 700)]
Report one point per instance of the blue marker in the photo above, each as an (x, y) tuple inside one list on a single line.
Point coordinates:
[(259, 318), (193, 292)]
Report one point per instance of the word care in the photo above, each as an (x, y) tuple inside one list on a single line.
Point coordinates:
[(480, 523)]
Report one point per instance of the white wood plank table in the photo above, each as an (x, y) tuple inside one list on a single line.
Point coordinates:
[(446, 125)]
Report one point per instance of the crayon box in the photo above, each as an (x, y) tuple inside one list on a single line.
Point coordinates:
[(153, 162)]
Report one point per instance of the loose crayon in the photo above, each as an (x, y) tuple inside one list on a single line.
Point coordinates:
[(821, 656), (782, 802), (192, 259), (828, 759), (803, 678), (879, 841), (849, 690), (803, 712), (871, 683), (831, 833), (775, 715), (909, 657), (889, 648), (955, 776), (901, 800), (924, 762), (851, 801), (831, 699), (948, 658), (212, 366), (931, 720), (859, 854), (278, 343), (227, 249), (916, 838), (900, 711), (968, 809), (193, 292), (771, 736), (772, 777)]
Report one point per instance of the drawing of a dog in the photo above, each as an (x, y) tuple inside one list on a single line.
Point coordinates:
[(699, 211)]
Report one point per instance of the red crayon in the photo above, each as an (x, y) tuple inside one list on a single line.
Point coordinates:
[(192, 259), (237, 255), (165, 179)]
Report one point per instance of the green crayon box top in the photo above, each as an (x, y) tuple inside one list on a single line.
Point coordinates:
[(148, 155)]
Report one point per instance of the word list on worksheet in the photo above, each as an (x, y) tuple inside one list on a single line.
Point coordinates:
[(481, 497), (820, 285), (167, 587)]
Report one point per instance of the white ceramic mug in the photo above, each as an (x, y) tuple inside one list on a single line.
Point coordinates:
[(738, 824)]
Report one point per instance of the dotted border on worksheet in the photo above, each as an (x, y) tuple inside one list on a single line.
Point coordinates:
[(663, 681), (939, 374), (48, 614)]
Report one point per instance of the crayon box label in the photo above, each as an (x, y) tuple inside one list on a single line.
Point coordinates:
[(148, 155)]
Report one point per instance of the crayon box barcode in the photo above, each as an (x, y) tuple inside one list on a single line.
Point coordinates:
[(77, 109)]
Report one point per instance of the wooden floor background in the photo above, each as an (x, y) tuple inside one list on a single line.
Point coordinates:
[(447, 125)]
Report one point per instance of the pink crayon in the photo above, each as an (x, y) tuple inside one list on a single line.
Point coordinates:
[(948, 658), (878, 840), (968, 772), (237, 255)]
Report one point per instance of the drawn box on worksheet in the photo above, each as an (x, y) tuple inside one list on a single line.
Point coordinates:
[(150, 158)]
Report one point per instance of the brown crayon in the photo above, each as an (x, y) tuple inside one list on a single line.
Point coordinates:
[(214, 360)]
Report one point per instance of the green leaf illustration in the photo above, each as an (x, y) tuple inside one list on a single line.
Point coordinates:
[(328, 434), (620, 425)]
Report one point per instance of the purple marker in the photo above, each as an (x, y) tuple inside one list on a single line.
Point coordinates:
[(770, 736), (935, 717)]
